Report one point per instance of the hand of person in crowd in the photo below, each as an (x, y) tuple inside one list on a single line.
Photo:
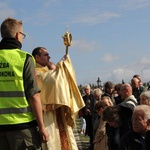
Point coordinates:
[(88, 111)]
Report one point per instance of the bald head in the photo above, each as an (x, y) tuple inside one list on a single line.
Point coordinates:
[(135, 82), (126, 86), (126, 91)]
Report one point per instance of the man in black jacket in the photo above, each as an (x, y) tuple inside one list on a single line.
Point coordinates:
[(118, 120), (137, 89)]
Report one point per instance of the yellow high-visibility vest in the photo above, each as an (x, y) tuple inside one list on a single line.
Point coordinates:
[(14, 107)]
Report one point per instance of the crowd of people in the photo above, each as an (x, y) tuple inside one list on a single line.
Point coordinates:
[(40, 100), (121, 122)]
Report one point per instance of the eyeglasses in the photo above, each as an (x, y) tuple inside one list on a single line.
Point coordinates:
[(23, 35)]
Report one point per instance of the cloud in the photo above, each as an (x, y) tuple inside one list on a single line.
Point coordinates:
[(146, 75), (109, 57), (6, 11), (142, 67), (124, 73), (120, 73), (135, 4), (84, 45), (49, 2), (95, 17), (145, 61)]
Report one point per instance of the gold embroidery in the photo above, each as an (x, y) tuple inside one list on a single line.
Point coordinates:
[(62, 129)]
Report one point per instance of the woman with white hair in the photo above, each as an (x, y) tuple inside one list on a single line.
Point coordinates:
[(145, 98)]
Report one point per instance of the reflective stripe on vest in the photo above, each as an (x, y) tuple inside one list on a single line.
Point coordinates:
[(14, 107), (15, 110), (12, 94)]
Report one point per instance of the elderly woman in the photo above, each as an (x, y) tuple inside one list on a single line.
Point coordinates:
[(145, 98)]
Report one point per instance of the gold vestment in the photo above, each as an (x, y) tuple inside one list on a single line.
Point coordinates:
[(60, 93)]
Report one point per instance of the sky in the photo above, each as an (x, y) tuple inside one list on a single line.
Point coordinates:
[(111, 38)]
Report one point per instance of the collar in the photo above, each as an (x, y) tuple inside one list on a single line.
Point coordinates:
[(40, 66), (10, 43), (130, 97)]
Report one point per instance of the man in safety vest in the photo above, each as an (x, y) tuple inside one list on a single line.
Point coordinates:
[(21, 121)]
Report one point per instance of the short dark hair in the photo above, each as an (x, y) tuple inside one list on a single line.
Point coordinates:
[(137, 76), (100, 104), (118, 86), (108, 85), (36, 51), (111, 114)]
